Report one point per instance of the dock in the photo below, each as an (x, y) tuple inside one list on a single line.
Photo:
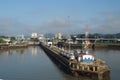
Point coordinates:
[(97, 70)]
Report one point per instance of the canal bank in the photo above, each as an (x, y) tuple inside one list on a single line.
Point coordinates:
[(92, 45), (5, 46), (102, 46)]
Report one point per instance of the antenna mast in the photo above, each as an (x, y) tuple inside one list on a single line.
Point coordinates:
[(86, 39)]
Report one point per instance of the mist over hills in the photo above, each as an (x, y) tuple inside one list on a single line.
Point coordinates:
[(95, 35), (79, 35)]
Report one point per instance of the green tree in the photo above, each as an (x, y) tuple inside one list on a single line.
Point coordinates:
[(13, 38), (2, 41)]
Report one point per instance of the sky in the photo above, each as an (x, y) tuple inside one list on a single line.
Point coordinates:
[(54, 16)]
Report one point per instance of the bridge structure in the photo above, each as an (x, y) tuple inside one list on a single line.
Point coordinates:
[(93, 40)]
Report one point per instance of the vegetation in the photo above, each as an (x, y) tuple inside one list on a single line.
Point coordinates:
[(12, 39), (97, 35), (3, 37), (2, 41)]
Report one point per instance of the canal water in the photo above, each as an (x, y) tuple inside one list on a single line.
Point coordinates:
[(33, 64)]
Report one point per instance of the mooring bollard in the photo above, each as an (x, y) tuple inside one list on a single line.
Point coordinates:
[(88, 68), (98, 68), (77, 66), (82, 67), (93, 68)]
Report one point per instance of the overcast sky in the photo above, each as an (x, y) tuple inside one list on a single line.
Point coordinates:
[(53, 16)]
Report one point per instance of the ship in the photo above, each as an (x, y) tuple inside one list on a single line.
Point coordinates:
[(79, 63)]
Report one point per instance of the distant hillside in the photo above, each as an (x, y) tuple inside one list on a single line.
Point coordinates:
[(3, 37), (49, 35), (97, 35)]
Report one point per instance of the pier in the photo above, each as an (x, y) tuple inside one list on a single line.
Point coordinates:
[(96, 70)]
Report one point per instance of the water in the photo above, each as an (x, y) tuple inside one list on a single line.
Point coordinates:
[(112, 58), (33, 64)]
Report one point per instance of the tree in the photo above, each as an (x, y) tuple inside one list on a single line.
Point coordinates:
[(2, 41), (13, 38)]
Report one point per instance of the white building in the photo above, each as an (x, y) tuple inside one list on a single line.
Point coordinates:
[(20, 38), (41, 37), (58, 36), (7, 40), (34, 35)]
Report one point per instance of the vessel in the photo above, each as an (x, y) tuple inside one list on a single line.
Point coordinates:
[(78, 63)]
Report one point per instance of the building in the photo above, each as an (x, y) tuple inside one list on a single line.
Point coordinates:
[(58, 36), (20, 38), (41, 38), (34, 35), (7, 40)]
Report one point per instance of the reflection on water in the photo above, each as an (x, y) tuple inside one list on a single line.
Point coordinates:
[(12, 52), (34, 50), (33, 64)]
